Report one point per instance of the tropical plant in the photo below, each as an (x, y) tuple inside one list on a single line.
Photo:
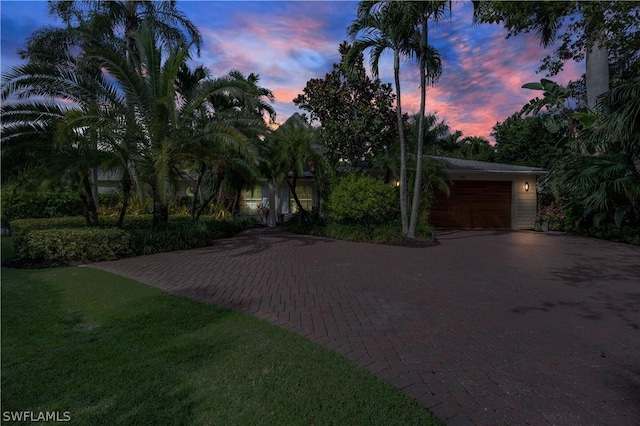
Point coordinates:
[(404, 29), (214, 136), (603, 33), (380, 27), (355, 112), (296, 151), (91, 26)]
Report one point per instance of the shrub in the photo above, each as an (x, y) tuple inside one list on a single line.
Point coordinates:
[(183, 235), (61, 241), (22, 205), (20, 228), (362, 200), (56, 247), (309, 224), (554, 215)]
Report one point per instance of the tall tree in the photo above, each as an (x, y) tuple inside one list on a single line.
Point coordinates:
[(430, 67), (95, 24), (355, 112), (527, 141), (601, 32), (380, 27), (403, 28)]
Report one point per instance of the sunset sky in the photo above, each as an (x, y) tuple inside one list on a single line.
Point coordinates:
[(288, 43)]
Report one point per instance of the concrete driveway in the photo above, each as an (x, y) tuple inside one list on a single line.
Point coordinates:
[(489, 327)]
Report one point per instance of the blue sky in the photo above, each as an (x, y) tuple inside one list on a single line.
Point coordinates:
[(288, 43)]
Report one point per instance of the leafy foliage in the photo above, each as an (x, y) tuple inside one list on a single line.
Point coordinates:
[(527, 141), (355, 112), (22, 205), (67, 240), (362, 200), (57, 247), (586, 22)]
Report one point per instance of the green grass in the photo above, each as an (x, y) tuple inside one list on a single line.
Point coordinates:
[(113, 351)]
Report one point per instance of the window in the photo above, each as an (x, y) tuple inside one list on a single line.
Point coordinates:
[(305, 195), (251, 199)]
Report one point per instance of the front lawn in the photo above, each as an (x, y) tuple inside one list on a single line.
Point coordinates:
[(109, 350)]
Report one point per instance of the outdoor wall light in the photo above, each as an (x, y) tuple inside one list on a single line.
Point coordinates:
[(526, 187), (397, 183)]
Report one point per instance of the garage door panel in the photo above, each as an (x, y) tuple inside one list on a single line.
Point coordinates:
[(474, 204)]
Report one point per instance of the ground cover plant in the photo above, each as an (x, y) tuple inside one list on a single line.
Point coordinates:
[(109, 350), (389, 232)]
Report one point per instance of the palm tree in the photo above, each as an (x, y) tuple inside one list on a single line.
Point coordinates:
[(60, 98), (209, 134), (113, 21), (619, 123), (381, 27), (430, 67), (92, 25), (295, 151), (402, 28), (257, 99), (147, 81)]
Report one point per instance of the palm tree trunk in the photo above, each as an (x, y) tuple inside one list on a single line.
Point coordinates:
[(126, 194), (292, 187), (91, 212), (196, 190), (417, 188), (403, 146), (216, 189), (160, 210), (597, 78)]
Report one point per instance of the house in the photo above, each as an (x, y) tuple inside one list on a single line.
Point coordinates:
[(483, 195), (487, 195), (261, 192), (109, 181)]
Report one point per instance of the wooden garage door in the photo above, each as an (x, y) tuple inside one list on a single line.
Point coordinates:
[(474, 204)]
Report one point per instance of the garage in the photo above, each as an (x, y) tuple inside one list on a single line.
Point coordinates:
[(486, 195), (474, 204)]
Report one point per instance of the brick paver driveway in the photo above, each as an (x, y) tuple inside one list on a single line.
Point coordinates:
[(488, 327)]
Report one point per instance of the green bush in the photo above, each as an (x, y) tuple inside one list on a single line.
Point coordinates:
[(56, 247), (23, 205), (382, 233), (21, 228), (310, 224), (61, 241), (363, 200), (183, 235)]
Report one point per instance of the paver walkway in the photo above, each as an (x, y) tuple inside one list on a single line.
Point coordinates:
[(489, 327)]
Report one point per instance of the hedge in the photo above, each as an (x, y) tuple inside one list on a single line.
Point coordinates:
[(64, 241), (21, 228), (57, 247), (36, 205), (20, 205)]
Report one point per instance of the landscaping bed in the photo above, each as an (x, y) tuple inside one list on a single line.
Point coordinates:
[(69, 241)]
